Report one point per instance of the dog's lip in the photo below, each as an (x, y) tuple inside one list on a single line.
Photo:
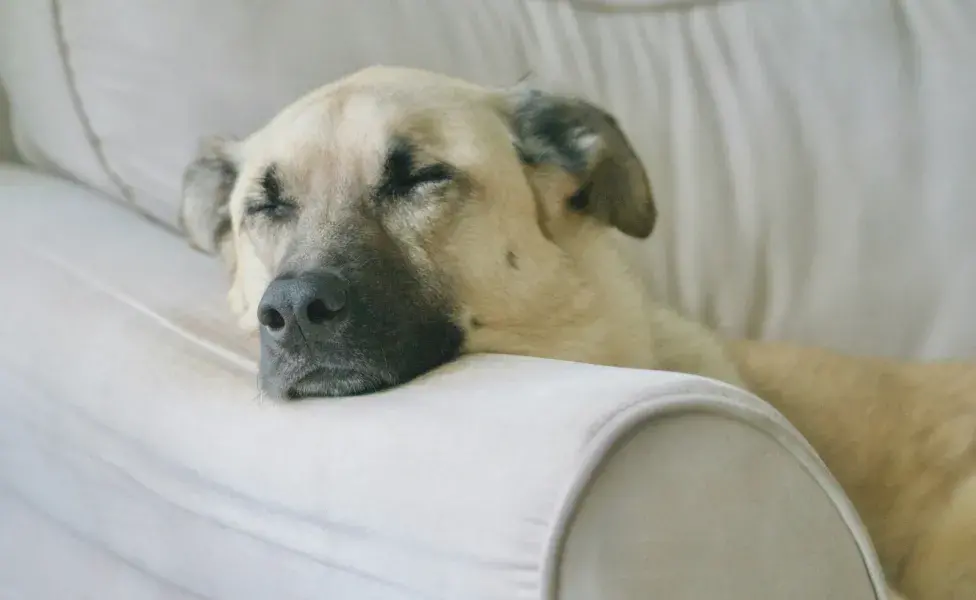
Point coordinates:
[(332, 380)]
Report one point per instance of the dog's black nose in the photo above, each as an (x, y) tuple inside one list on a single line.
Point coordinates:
[(310, 302)]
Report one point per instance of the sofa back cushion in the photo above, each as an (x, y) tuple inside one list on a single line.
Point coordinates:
[(140, 82), (812, 162)]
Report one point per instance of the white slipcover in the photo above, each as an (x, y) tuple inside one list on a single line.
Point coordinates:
[(136, 461)]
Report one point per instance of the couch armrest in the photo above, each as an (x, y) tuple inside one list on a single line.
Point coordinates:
[(693, 489), (496, 478), (656, 485)]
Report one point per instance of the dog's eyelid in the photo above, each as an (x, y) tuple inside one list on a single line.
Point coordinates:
[(433, 173), (269, 199), (403, 176), (275, 210), (262, 204)]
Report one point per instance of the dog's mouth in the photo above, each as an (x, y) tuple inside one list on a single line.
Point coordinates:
[(287, 377), (337, 381)]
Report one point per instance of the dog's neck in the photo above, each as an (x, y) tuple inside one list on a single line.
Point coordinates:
[(601, 313), (630, 328)]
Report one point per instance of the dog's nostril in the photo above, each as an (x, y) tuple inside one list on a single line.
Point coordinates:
[(319, 313), (271, 318)]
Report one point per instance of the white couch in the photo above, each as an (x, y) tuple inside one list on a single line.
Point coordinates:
[(813, 167)]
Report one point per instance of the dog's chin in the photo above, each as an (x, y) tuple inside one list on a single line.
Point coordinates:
[(328, 382), (336, 374)]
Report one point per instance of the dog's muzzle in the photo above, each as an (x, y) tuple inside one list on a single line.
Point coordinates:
[(325, 335)]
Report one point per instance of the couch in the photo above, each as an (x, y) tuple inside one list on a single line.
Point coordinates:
[(813, 169)]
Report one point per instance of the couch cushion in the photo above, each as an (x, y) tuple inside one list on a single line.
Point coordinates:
[(136, 461), (47, 122), (811, 160)]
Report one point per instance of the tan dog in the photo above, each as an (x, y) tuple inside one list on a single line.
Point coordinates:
[(388, 222)]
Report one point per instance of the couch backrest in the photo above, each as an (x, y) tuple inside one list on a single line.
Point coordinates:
[(812, 161)]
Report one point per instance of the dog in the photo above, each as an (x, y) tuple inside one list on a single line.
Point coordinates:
[(388, 222)]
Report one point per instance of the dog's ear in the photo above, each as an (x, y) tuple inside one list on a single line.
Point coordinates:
[(586, 142), (207, 184)]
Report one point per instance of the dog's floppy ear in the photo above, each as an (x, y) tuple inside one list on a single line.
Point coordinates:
[(207, 184), (585, 141)]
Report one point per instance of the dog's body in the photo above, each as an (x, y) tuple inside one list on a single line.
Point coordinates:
[(899, 437), (392, 220)]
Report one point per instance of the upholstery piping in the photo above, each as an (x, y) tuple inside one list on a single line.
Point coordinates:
[(735, 405), (124, 190)]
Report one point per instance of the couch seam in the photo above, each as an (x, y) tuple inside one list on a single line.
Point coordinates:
[(76, 103), (94, 142)]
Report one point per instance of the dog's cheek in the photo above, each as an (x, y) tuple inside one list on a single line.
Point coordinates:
[(552, 188), (228, 253), (492, 338), (251, 278), (247, 319), (474, 336)]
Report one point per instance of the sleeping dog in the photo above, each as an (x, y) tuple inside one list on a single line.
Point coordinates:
[(386, 223)]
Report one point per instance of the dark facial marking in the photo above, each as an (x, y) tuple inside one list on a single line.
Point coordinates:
[(207, 185), (476, 323), (271, 202), (512, 259), (402, 175), (392, 326)]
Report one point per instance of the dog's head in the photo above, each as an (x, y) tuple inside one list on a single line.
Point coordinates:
[(385, 223)]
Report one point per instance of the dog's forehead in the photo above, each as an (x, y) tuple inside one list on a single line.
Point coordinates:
[(328, 128), (349, 126)]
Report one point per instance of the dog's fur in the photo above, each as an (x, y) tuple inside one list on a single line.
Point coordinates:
[(491, 213)]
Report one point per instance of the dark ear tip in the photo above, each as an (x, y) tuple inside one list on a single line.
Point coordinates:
[(640, 230), (184, 230), (206, 187), (640, 225)]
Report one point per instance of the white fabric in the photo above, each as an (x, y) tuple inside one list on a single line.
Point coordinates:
[(47, 124), (7, 150), (135, 461), (152, 77), (673, 514), (812, 160)]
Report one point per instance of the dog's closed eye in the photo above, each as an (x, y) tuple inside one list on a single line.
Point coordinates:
[(271, 202), (402, 176)]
